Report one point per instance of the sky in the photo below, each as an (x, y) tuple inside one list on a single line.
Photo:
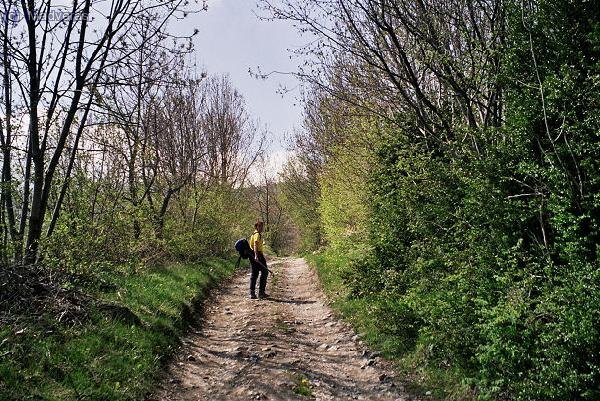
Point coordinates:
[(232, 40)]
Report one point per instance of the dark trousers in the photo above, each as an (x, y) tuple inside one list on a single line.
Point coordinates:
[(264, 272)]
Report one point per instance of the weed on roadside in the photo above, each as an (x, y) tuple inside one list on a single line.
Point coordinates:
[(302, 385)]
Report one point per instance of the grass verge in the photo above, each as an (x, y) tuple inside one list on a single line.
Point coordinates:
[(118, 350), (384, 327)]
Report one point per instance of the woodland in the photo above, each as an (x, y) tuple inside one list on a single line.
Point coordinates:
[(445, 184)]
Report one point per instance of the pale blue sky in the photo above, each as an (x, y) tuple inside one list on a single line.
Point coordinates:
[(231, 40)]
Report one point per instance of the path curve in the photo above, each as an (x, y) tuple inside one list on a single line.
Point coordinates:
[(275, 348)]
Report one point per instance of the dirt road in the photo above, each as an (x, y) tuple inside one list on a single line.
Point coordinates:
[(288, 347)]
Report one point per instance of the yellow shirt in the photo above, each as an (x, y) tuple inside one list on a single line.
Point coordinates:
[(256, 241)]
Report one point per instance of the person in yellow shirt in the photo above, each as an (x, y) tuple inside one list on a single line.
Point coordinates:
[(258, 262)]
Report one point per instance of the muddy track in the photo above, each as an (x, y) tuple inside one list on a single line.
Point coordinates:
[(288, 347)]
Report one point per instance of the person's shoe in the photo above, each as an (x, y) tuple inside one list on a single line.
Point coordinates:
[(263, 295), (252, 296)]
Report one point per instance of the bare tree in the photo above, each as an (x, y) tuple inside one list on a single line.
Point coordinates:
[(177, 145), (55, 63), (233, 140), (265, 201), (134, 86), (423, 59)]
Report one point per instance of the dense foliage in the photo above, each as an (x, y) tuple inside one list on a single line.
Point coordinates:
[(481, 258)]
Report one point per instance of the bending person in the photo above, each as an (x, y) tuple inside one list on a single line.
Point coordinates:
[(258, 263)]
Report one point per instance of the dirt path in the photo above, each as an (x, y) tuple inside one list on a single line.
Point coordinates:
[(274, 349)]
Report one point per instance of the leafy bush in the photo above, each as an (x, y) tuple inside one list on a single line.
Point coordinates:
[(494, 251)]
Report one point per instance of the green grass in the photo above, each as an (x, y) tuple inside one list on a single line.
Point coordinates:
[(331, 267), (383, 327), (107, 357), (302, 385)]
